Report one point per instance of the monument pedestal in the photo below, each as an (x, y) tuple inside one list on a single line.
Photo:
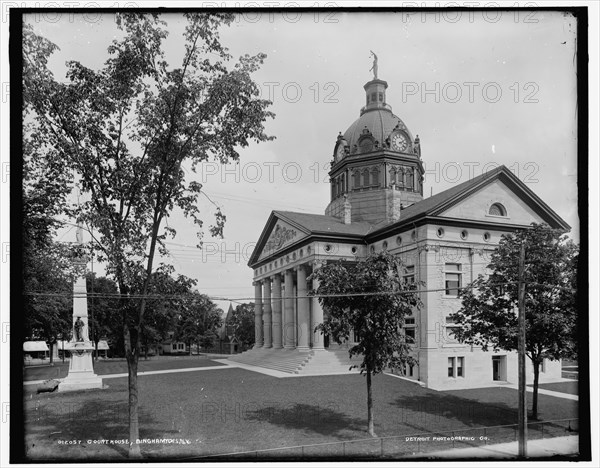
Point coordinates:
[(81, 368)]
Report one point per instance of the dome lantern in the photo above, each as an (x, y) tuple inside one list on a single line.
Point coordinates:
[(375, 96)]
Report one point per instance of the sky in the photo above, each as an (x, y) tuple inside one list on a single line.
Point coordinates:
[(481, 89)]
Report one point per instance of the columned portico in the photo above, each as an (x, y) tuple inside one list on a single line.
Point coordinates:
[(258, 326), (285, 316), (289, 329), (276, 306), (267, 313)]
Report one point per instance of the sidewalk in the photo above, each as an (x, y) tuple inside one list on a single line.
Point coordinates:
[(543, 391), (142, 373), (538, 448)]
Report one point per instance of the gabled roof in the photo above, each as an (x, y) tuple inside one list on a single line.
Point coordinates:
[(438, 203), (322, 224), (310, 225), (314, 225)]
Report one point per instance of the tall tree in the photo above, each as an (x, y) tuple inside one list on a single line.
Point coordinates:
[(103, 309), (488, 318), (47, 273), (242, 325), (132, 131), (48, 287), (199, 317), (170, 294), (371, 298)]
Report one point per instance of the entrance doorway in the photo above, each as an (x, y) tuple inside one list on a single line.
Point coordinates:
[(499, 368)]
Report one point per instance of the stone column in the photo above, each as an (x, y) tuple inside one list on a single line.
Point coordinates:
[(258, 326), (295, 314), (303, 311), (267, 313), (317, 316), (289, 328), (277, 312)]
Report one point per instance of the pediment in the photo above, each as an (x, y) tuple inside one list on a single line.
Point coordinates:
[(520, 208), (278, 237)]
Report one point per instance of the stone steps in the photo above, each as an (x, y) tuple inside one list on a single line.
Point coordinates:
[(292, 361), (283, 360), (330, 361)]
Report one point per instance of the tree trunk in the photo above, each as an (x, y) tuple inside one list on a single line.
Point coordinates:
[(96, 353), (131, 353), (52, 344), (536, 378), (370, 405)]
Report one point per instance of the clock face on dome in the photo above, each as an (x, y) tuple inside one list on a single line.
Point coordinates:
[(340, 153), (399, 142)]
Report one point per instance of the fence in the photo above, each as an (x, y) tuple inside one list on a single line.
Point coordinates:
[(410, 444)]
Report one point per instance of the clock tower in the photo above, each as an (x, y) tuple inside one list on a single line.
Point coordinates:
[(377, 168)]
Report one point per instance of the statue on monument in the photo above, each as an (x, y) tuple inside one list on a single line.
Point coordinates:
[(79, 250), (78, 329), (374, 67)]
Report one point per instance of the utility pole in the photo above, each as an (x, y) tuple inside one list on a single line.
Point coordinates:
[(522, 375)]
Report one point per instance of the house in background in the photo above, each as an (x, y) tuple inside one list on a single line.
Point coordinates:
[(35, 351), (172, 346)]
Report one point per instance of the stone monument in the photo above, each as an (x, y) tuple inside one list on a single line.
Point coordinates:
[(81, 369)]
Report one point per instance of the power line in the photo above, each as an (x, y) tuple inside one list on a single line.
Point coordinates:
[(219, 298), (182, 296)]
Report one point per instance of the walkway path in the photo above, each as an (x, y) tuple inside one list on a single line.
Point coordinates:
[(166, 371), (543, 391)]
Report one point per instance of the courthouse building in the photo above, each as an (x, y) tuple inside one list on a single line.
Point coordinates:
[(377, 204)]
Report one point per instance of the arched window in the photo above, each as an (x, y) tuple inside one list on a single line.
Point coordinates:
[(400, 181), (497, 209), (356, 181), (393, 176), (366, 181), (375, 176), (410, 180)]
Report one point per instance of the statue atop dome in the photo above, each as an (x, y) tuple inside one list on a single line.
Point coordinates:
[(374, 67)]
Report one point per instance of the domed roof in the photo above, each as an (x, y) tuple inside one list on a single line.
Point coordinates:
[(376, 121), (380, 122)]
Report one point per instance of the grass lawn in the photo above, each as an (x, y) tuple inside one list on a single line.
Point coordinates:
[(229, 410), (117, 366), (563, 387)]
